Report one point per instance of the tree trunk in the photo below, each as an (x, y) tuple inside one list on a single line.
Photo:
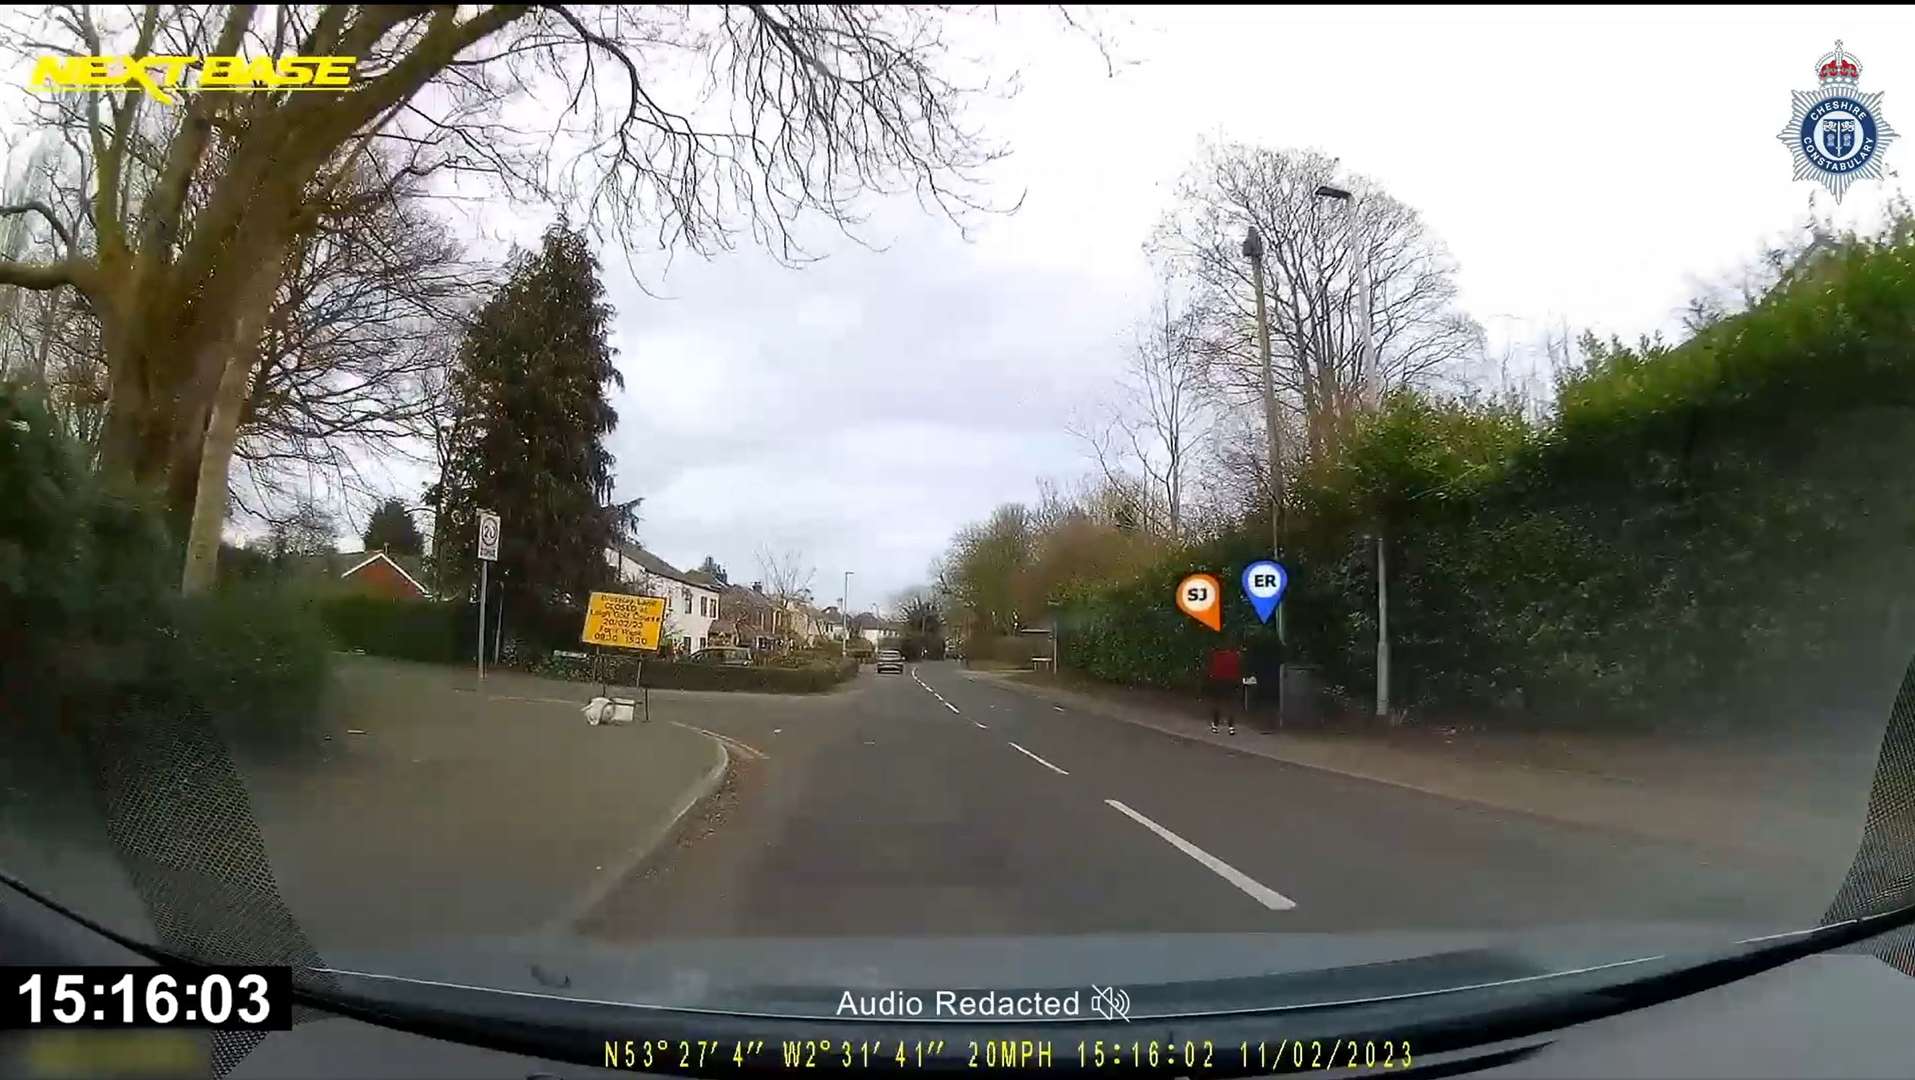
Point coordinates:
[(215, 444), (209, 499), (49, 310), (127, 449), (167, 347)]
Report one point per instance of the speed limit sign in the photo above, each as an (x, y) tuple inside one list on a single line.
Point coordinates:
[(488, 536)]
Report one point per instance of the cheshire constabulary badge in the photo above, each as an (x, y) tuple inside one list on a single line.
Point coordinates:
[(1837, 133)]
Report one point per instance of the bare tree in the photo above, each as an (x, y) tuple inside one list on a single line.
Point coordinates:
[(177, 219), (439, 384), (307, 530), (786, 575), (1312, 284), (350, 365), (49, 340), (1161, 410), (921, 606)]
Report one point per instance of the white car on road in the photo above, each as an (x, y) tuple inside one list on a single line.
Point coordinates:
[(890, 660)]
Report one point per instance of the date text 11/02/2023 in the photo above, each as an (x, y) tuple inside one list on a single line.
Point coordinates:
[(666, 1055)]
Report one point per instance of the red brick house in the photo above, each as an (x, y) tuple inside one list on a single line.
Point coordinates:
[(379, 574)]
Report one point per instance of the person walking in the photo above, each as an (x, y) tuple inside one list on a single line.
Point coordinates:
[(1222, 679)]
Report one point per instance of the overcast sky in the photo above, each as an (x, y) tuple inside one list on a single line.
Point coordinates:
[(1586, 168)]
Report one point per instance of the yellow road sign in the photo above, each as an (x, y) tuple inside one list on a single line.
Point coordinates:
[(627, 622)]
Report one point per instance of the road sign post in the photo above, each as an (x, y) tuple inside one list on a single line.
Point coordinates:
[(488, 554)]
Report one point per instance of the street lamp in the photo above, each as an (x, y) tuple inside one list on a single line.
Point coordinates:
[(846, 612), (1253, 250), (1372, 392), (1366, 348)]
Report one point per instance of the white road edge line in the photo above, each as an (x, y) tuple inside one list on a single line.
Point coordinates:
[(744, 748), (986, 726), (1039, 760), (948, 705), (1259, 892)]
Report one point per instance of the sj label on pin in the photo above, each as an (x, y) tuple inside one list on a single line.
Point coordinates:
[(1200, 597)]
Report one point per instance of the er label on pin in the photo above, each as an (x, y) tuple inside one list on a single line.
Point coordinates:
[(1263, 584), (1200, 597)]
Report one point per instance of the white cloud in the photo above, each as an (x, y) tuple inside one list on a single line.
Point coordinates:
[(1585, 166)]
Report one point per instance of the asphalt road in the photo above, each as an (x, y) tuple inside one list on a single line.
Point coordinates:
[(934, 803)]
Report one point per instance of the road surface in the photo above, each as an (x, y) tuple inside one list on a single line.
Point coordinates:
[(935, 803)]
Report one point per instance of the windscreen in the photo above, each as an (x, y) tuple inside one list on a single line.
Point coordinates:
[(829, 508)]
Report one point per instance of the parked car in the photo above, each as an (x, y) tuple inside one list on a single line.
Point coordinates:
[(728, 655), (890, 660)]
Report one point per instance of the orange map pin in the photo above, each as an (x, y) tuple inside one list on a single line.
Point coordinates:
[(1201, 597)]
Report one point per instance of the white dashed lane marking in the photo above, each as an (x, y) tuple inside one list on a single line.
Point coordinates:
[(1039, 760), (1256, 890), (1261, 893), (933, 692)]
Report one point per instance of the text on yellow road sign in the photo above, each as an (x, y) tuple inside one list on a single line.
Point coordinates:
[(622, 621)]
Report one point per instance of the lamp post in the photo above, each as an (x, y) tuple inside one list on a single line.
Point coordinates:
[(1373, 396), (1253, 250), (846, 612), (1367, 375)]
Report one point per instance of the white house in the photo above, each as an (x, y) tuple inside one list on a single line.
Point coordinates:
[(874, 629), (807, 622), (691, 596)]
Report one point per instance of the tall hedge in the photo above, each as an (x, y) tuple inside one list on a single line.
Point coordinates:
[(425, 630), (90, 622), (1718, 531)]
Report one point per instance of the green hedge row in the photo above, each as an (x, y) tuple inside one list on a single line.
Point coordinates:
[(809, 679), (257, 655), (96, 629), (446, 633), (1016, 649), (436, 632), (810, 676), (1722, 531)]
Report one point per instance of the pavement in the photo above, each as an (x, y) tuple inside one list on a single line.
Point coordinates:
[(942, 803), (427, 809)]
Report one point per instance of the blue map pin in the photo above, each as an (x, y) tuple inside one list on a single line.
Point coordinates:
[(1263, 585)]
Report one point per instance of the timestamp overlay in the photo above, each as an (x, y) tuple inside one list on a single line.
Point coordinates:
[(46, 997), (1191, 1056)]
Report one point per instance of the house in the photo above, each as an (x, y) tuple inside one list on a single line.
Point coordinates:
[(807, 622), (380, 574), (831, 624), (873, 629), (751, 618), (691, 596)]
